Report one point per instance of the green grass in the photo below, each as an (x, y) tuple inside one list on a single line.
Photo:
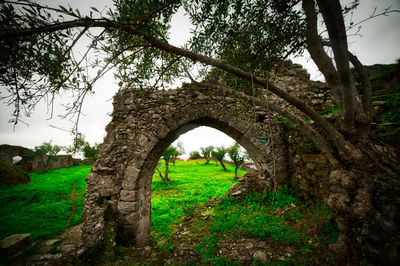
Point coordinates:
[(42, 207), (192, 182)]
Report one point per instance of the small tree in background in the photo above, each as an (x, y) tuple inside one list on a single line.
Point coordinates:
[(207, 153), (90, 152), (236, 156), (46, 152), (194, 155), (78, 144), (219, 155), (167, 155), (179, 150)]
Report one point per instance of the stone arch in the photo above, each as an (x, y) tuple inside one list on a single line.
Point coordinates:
[(143, 125)]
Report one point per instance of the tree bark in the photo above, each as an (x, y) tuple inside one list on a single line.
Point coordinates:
[(333, 18), (223, 165), (236, 170)]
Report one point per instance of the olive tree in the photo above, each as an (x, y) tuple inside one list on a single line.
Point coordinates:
[(219, 154), (46, 152), (207, 153), (236, 156)]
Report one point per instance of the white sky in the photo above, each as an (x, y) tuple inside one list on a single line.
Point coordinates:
[(379, 44)]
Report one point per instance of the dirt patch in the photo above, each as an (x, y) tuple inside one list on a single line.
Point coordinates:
[(72, 199)]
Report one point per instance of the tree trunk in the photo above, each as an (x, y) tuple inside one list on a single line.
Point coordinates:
[(208, 160), (236, 170), (44, 164), (166, 171), (223, 165)]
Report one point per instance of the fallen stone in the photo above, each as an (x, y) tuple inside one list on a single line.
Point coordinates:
[(14, 245), (237, 193), (260, 255)]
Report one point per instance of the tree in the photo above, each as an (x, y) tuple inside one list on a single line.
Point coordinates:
[(207, 153), (219, 154), (46, 153), (242, 39), (78, 144), (168, 156), (236, 157), (194, 155), (179, 150), (89, 151)]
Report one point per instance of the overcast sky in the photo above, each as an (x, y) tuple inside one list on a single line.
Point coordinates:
[(379, 44)]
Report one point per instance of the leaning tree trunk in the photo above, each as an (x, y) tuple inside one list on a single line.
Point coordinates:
[(208, 160), (223, 165)]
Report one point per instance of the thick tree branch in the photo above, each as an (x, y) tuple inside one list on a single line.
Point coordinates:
[(302, 126), (344, 148), (315, 46)]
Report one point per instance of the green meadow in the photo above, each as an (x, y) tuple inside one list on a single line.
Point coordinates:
[(43, 207), (192, 182)]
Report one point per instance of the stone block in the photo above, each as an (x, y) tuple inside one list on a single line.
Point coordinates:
[(130, 178), (125, 207), (14, 245), (130, 219), (128, 195), (161, 129)]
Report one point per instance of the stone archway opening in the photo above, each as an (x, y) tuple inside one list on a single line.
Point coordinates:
[(141, 233), (192, 182)]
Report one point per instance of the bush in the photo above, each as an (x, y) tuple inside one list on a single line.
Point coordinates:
[(194, 155), (11, 175)]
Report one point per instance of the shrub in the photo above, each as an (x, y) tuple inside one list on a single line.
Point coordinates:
[(11, 175), (194, 155)]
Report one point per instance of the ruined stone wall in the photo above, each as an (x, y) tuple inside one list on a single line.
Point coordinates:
[(29, 163), (143, 125)]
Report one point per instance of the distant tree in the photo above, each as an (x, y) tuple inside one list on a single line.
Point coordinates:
[(207, 153), (168, 154), (236, 156), (78, 144), (219, 155), (194, 155), (89, 151), (179, 150), (46, 152)]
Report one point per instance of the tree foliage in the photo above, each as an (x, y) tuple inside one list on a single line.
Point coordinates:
[(46, 152), (207, 153), (219, 155)]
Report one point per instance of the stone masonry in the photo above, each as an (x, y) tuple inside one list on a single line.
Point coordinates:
[(142, 126)]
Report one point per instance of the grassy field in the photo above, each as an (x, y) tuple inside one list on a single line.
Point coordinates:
[(43, 207), (192, 183)]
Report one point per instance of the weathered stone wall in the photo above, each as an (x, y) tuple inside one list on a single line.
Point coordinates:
[(143, 125), (29, 163)]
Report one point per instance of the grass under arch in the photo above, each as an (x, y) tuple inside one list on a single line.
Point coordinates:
[(192, 183)]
